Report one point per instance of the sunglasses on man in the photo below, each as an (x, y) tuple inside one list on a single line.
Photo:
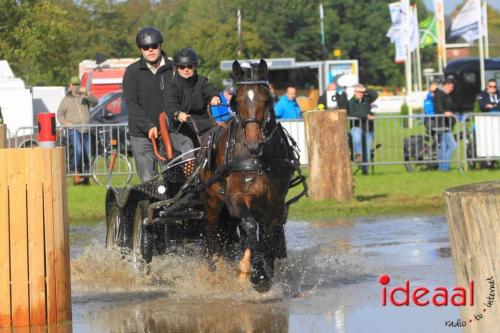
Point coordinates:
[(150, 46), (492, 86), (183, 67)]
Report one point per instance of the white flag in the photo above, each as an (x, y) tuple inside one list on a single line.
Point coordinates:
[(414, 30), (465, 24), (396, 31)]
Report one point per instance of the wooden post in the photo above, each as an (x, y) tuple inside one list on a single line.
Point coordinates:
[(330, 174), (3, 136), (473, 213), (35, 284)]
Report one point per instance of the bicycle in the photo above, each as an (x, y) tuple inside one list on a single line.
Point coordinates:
[(110, 167), (421, 152)]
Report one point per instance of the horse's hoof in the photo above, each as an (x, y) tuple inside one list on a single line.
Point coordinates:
[(261, 279), (243, 276)]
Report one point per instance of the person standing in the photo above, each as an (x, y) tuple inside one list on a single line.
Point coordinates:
[(74, 111), (287, 106), (340, 98), (144, 83), (359, 107), (489, 99), (223, 111), (445, 108)]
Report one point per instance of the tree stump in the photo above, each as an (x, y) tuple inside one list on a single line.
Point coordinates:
[(330, 173), (3, 136), (473, 213)]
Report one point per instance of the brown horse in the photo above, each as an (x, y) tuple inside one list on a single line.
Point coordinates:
[(248, 179)]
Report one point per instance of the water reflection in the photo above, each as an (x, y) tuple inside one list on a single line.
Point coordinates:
[(162, 315)]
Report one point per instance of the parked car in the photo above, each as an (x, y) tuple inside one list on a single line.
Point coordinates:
[(112, 109)]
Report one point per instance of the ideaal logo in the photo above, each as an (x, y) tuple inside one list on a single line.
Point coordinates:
[(440, 296), (422, 296)]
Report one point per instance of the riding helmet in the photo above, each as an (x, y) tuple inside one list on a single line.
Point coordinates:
[(186, 56), (148, 36)]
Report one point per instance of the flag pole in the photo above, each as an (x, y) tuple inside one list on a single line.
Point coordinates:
[(240, 39), (481, 46), (486, 39), (322, 28), (419, 66), (407, 21), (441, 48)]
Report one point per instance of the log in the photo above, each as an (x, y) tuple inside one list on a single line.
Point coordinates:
[(473, 213), (330, 173), (3, 136)]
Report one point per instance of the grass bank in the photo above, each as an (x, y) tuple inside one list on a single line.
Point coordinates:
[(390, 191)]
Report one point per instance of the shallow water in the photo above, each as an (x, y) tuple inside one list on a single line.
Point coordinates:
[(328, 283)]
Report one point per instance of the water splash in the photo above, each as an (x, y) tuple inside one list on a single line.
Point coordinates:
[(185, 275)]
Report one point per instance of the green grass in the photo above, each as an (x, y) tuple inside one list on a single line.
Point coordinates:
[(390, 191)]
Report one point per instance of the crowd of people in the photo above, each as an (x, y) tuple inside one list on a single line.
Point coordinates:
[(155, 84)]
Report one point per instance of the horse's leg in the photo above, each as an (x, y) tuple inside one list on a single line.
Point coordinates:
[(261, 275), (213, 207)]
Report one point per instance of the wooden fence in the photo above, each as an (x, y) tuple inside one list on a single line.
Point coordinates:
[(3, 136), (35, 287)]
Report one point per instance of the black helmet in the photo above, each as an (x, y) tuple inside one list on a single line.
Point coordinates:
[(186, 56), (147, 36)]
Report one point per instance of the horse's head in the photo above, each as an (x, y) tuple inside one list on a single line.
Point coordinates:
[(253, 104)]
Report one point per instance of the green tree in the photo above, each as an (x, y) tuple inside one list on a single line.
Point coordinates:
[(39, 43)]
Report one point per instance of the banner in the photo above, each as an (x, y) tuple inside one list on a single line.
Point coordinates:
[(428, 32), (396, 31), (465, 24), (441, 49)]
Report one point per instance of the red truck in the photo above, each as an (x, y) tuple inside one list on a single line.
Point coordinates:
[(104, 78)]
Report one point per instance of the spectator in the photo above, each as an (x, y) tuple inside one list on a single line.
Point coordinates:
[(489, 100), (443, 104), (143, 85), (223, 111), (359, 106), (429, 111), (73, 111), (287, 107), (340, 98)]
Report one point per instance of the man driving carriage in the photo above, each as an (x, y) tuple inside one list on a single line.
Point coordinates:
[(186, 99), (143, 85)]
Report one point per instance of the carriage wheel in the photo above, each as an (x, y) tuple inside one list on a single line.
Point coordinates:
[(118, 227), (143, 240), (114, 224)]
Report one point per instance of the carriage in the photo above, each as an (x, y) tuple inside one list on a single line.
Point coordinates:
[(231, 197)]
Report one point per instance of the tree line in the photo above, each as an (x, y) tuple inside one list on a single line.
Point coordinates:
[(45, 40)]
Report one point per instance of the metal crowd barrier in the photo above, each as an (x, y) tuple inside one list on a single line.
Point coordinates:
[(102, 140), (482, 134), (413, 142)]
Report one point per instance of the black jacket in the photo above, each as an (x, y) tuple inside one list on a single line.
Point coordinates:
[(361, 109), (143, 93), (443, 103), (484, 98), (191, 96)]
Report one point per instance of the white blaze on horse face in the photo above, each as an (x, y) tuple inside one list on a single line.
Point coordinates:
[(250, 95)]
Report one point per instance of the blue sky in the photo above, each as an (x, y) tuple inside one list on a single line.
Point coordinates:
[(449, 5)]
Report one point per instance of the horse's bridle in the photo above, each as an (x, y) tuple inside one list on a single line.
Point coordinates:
[(267, 115)]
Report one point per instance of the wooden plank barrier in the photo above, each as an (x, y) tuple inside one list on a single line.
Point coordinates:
[(330, 173), (3, 136), (473, 213), (35, 286)]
